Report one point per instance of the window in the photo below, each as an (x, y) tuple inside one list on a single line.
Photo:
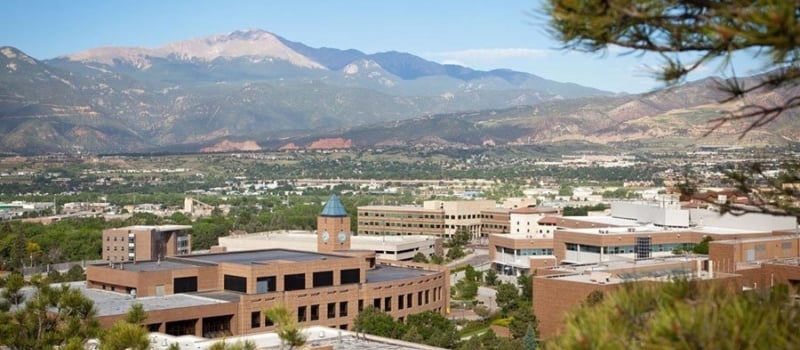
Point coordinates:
[(426, 296), (268, 322), (360, 305), (400, 302), (314, 312), (331, 310), (265, 284), (255, 319), (376, 303), (185, 284), (301, 314), (419, 298), (323, 279), (235, 283), (342, 309), (294, 282), (409, 299), (387, 304)]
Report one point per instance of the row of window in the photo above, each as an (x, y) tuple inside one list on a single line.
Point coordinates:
[(629, 249), (407, 301), (266, 284)]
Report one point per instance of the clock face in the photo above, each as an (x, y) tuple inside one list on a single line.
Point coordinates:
[(342, 237), (325, 236)]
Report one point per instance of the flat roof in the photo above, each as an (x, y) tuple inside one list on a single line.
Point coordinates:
[(152, 265), (757, 239), (398, 208), (652, 229), (113, 303), (157, 227), (603, 220), (296, 235), (383, 273), (256, 256)]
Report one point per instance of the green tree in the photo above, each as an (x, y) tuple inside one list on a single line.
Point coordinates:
[(702, 247), (123, 335), (529, 341), (50, 317), (521, 319), (436, 330), (455, 252), (286, 326), (690, 35), (594, 298), (490, 277), (466, 289), (472, 275), (507, 297), (374, 321), (683, 315), (525, 283), (136, 314), (238, 345), (419, 258)]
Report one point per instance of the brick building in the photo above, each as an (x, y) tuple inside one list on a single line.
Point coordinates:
[(213, 295), (135, 243)]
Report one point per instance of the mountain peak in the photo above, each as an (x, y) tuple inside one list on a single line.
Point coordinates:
[(243, 43)]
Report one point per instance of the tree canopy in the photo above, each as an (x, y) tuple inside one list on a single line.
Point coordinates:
[(689, 35), (683, 315)]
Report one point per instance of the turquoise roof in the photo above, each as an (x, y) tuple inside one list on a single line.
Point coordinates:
[(334, 207)]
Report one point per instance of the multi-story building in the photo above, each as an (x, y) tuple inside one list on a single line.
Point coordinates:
[(558, 290), (439, 218), (401, 248), (221, 294), (525, 221), (135, 243), (516, 254), (580, 246)]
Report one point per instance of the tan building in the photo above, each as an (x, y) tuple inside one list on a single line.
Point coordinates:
[(135, 243), (214, 295), (439, 218)]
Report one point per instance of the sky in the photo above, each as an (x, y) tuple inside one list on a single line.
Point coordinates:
[(479, 34)]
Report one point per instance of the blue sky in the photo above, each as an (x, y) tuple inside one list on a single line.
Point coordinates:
[(479, 34)]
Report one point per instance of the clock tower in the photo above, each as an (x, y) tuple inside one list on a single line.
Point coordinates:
[(333, 227)]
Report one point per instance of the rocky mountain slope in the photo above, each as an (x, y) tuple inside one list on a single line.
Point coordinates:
[(243, 85), (252, 90), (672, 119)]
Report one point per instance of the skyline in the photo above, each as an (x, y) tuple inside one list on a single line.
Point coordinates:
[(472, 33)]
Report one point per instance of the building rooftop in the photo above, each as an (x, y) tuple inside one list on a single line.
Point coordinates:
[(603, 220), (534, 210), (153, 265), (390, 208), (114, 303), (652, 229), (158, 227), (317, 336), (262, 256), (620, 271), (334, 208), (383, 273)]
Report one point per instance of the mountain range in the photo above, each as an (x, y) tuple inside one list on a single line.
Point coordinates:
[(254, 89)]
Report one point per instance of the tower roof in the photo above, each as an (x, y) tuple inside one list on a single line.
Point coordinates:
[(334, 207)]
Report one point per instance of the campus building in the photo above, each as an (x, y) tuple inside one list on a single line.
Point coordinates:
[(221, 294), (136, 243), (400, 248)]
